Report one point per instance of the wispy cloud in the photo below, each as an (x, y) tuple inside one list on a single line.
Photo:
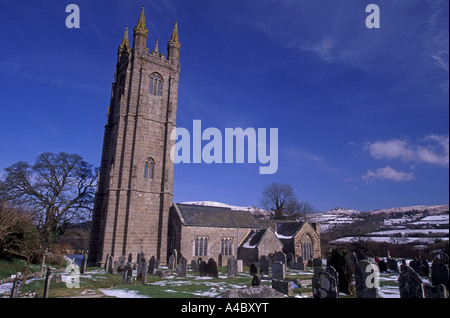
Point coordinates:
[(388, 173)]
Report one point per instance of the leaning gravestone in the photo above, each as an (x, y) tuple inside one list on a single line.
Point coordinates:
[(278, 270), (410, 284), (264, 266), (439, 274), (366, 279), (142, 269), (107, 263), (127, 274), (323, 284), (232, 267), (212, 268)]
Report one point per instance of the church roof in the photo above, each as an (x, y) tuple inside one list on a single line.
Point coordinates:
[(210, 216)]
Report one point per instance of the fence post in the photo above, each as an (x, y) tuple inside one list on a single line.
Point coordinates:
[(47, 282)]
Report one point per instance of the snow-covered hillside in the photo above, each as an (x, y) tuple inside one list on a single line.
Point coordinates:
[(422, 224)]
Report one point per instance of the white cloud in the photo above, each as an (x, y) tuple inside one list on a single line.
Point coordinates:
[(433, 149), (388, 173)]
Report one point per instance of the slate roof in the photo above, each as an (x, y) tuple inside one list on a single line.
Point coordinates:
[(208, 216), (288, 229), (253, 238)]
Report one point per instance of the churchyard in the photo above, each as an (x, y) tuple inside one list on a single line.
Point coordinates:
[(145, 279)]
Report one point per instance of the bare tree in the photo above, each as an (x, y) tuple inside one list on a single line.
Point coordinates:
[(281, 200), (58, 188)]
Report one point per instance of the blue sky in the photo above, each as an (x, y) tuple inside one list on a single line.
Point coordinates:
[(362, 114)]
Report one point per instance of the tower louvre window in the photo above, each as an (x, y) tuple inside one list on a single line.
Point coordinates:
[(156, 84), (149, 165)]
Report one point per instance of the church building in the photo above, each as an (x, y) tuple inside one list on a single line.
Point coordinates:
[(133, 208)]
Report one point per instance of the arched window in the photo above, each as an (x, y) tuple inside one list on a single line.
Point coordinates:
[(156, 84), (226, 247), (306, 245), (201, 246), (149, 167)]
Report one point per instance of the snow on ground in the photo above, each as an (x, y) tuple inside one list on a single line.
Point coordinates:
[(122, 293)]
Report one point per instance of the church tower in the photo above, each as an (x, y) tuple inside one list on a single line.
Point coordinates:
[(135, 186)]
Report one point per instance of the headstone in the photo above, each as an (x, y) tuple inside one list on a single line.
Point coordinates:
[(240, 266), (83, 264), (283, 286), (423, 268), (194, 266), (220, 260), (203, 269), (106, 263), (410, 284), (435, 291), (278, 270), (323, 284), (130, 258), (439, 274), (152, 265), (279, 257), (342, 261), (256, 281), (366, 279), (317, 262), (392, 265), (182, 267), (212, 268), (175, 256), (330, 270), (290, 258), (111, 265), (115, 268), (142, 269), (382, 266), (264, 266), (253, 269), (121, 264), (172, 263), (127, 274), (232, 267)]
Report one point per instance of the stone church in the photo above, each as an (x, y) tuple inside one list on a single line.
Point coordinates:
[(133, 209)]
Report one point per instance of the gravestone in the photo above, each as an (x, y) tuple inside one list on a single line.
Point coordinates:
[(111, 265), (253, 269), (330, 270), (220, 260), (256, 281), (116, 268), (423, 268), (439, 274), (152, 265), (317, 262), (323, 284), (127, 274), (278, 270), (203, 269), (382, 266), (290, 258), (130, 258), (121, 264), (392, 265), (279, 257), (342, 261), (435, 291), (106, 263), (232, 267), (264, 266), (366, 279), (83, 264), (182, 267), (212, 268), (142, 268), (194, 265), (410, 284), (282, 286), (171, 264), (240, 266)]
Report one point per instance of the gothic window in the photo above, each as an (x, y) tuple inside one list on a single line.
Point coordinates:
[(306, 246), (201, 246), (149, 167), (226, 247), (156, 84)]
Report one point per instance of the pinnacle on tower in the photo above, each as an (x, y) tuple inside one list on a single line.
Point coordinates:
[(174, 40), (125, 42), (141, 28), (156, 49)]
